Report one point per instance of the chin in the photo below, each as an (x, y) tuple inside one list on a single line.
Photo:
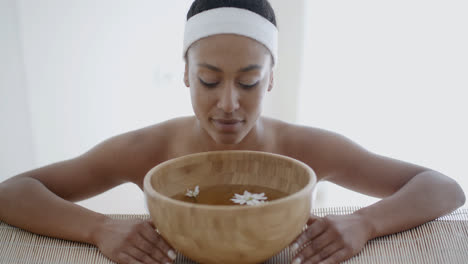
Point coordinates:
[(231, 139), (226, 137)]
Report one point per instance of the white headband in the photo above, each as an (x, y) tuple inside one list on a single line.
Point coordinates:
[(231, 20)]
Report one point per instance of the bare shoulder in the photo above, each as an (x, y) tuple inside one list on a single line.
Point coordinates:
[(321, 149), (338, 159), (144, 148), (153, 140), (291, 138), (129, 156)]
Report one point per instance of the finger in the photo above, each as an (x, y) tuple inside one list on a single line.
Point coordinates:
[(329, 250), (158, 241), (125, 258), (312, 219), (150, 222), (147, 259), (149, 232), (316, 245), (314, 230), (150, 249), (165, 249), (157, 254), (140, 256), (140, 242), (337, 257), (324, 253)]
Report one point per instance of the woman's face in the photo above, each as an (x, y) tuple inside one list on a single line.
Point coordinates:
[(228, 76)]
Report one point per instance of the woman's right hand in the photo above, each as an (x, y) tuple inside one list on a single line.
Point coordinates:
[(133, 241)]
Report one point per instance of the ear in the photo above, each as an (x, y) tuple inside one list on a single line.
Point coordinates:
[(272, 81), (186, 74)]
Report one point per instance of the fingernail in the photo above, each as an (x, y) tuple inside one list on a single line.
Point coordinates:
[(294, 247), (297, 261), (172, 254)]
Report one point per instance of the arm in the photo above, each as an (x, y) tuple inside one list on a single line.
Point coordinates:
[(418, 194), (47, 194), (425, 197), (404, 188), (41, 200), (27, 203)]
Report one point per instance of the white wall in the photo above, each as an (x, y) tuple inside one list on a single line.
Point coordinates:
[(389, 75), (16, 138), (392, 76), (282, 101), (99, 68)]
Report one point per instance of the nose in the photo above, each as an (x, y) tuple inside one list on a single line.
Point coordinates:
[(229, 99)]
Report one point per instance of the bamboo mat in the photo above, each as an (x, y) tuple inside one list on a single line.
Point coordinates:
[(444, 240)]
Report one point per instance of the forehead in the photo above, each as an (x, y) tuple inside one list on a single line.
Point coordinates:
[(228, 49)]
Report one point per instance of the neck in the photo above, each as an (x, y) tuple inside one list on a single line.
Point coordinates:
[(252, 141)]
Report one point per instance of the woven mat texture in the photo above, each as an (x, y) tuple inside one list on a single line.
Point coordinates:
[(444, 240)]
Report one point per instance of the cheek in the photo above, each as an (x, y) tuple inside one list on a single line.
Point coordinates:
[(200, 99), (254, 100)]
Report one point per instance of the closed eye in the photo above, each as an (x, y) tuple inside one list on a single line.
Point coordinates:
[(248, 86), (210, 85)]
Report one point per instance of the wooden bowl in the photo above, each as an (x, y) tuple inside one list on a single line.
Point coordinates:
[(230, 233)]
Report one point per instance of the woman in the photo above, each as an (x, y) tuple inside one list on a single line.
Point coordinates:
[(230, 52)]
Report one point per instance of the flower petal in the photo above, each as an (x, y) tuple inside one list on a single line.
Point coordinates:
[(238, 196), (259, 195), (251, 202), (193, 193), (239, 201)]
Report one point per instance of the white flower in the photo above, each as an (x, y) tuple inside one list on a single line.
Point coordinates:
[(249, 198), (193, 193)]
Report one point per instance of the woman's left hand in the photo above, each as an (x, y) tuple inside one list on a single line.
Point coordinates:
[(331, 239)]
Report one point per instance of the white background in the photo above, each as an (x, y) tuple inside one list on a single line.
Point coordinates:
[(391, 76)]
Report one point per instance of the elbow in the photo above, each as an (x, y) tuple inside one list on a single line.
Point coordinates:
[(14, 186), (449, 191), (3, 191), (459, 195), (462, 198), (3, 200)]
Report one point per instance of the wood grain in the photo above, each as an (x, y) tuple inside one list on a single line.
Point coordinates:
[(230, 234)]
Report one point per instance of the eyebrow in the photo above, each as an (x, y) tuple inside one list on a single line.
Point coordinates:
[(216, 69)]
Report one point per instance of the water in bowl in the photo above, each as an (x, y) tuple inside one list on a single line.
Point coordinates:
[(223, 193)]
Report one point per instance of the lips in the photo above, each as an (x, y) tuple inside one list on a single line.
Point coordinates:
[(227, 125), (227, 121)]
